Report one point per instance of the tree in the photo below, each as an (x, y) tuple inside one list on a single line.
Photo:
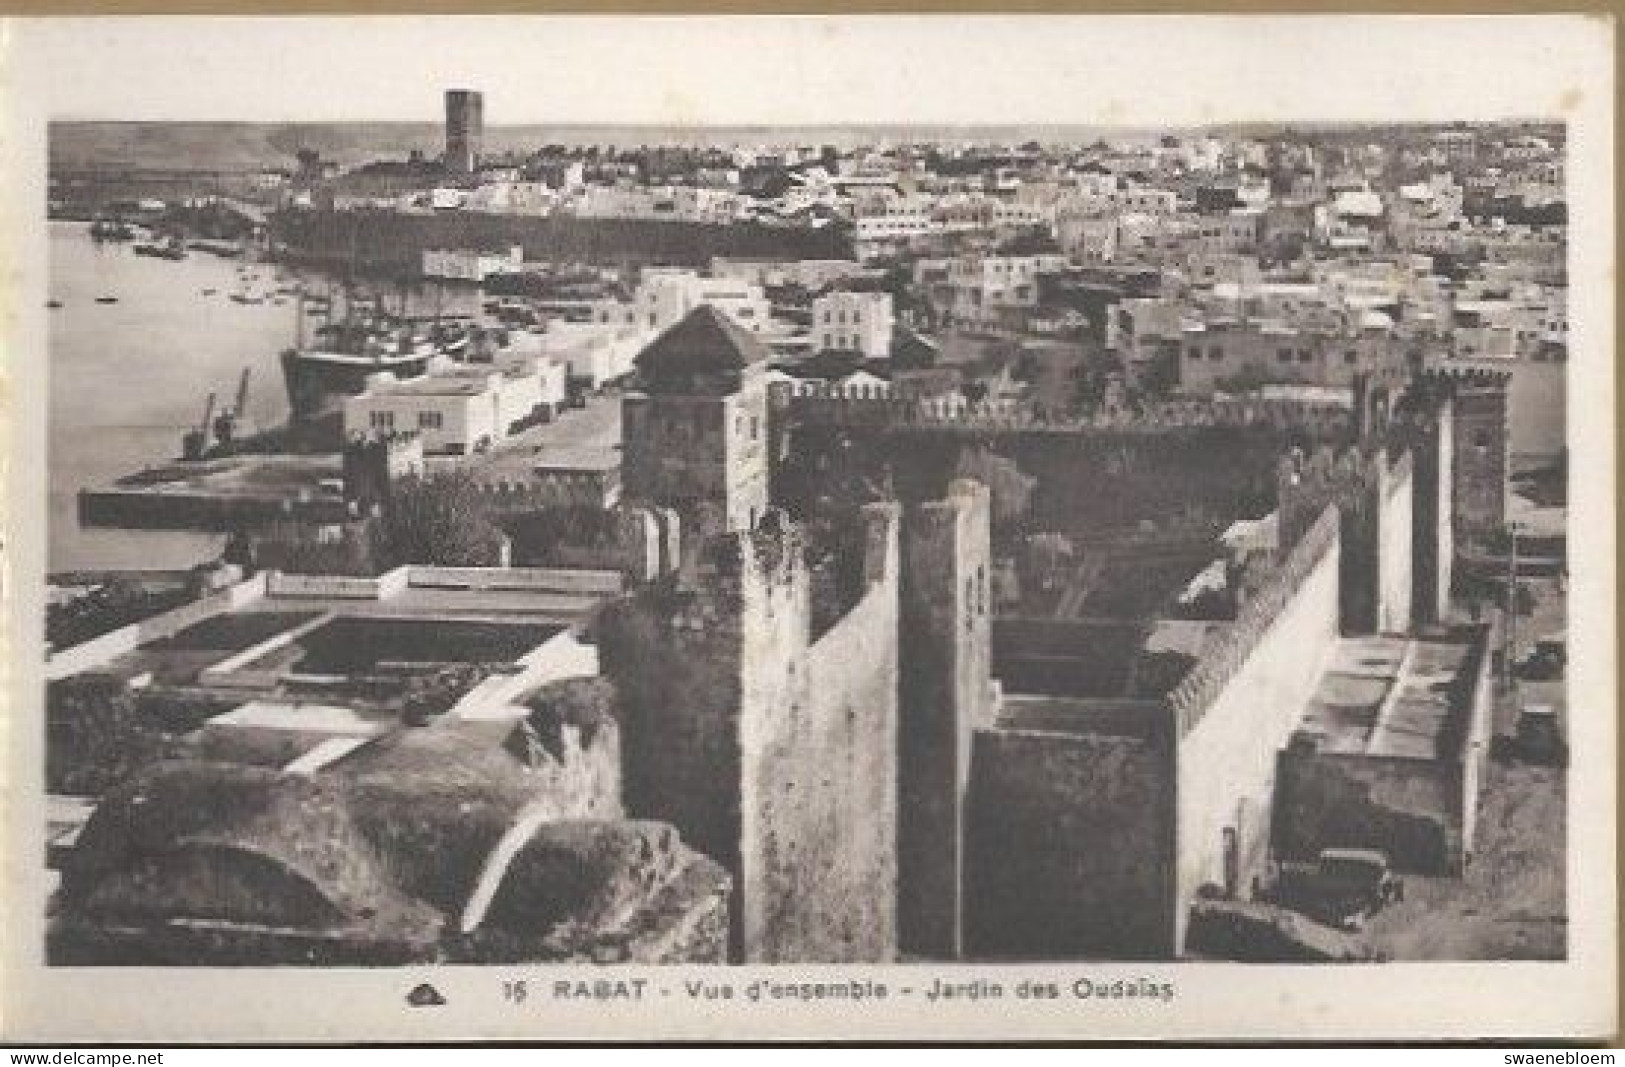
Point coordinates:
[(1094, 379), (96, 737), (1009, 488), (1161, 374), (1051, 559), (442, 521)]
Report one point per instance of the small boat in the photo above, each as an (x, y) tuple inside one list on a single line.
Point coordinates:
[(170, 249), (110, 230), (107, 300), (53, 304)]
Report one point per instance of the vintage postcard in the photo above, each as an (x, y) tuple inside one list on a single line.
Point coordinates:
[(954, 527)]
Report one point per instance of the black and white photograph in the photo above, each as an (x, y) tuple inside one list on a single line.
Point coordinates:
[(900, 526)]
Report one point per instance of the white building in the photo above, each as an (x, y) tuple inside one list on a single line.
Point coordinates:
[(446, 199), (666, 295), (595, 353), (458, 408), (467, 265), (854, 322), (512, 198), (812, 274), (880, 216)]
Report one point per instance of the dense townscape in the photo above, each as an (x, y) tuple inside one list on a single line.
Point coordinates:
[(878, 548)]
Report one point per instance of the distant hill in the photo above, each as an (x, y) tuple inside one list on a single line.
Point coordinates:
[(233, 145), (253, 145)]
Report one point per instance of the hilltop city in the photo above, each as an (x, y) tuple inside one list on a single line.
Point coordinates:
[(1134, 548)]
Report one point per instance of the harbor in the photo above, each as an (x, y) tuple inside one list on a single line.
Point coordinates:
[(139, 342)]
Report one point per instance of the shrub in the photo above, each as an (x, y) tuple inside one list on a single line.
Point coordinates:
[(95, 735), (442, 521)]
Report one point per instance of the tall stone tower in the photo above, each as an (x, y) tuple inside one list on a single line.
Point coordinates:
[(1428, 428), (772, 753), (695, 433), (945, 693), (465, 130), (1480, 449)]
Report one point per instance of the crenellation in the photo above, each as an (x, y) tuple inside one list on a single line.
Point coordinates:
[(821, 405), (1192, 697)]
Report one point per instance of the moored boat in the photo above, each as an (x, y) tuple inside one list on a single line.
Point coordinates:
[(168, 249)]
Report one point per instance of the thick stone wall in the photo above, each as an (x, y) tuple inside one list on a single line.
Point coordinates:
[(835, 405), (945, 644), (674, 657), (1395, 544), (1432, 440), (1089, 480), (1071, 847), (774, 756), (820, 809), (1234, 721), (394, 243), (1442, 523), (1374, 493)]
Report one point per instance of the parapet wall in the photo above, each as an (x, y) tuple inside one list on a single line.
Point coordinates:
[(554, 489), (1237, 710), (1373, 491), (816, 404), (1224, 658), (100, 651), (1308, 481)]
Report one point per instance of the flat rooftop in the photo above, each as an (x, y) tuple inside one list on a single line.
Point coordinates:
[(436, 385), (582, 439), (421, 623), (355, 644), (1391, 697)]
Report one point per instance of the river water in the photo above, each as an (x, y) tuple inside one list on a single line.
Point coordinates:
[(127, 379)]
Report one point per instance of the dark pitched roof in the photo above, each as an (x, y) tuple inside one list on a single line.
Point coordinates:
[(706, 341)]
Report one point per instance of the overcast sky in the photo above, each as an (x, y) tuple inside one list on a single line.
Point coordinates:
[(926, 69)]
